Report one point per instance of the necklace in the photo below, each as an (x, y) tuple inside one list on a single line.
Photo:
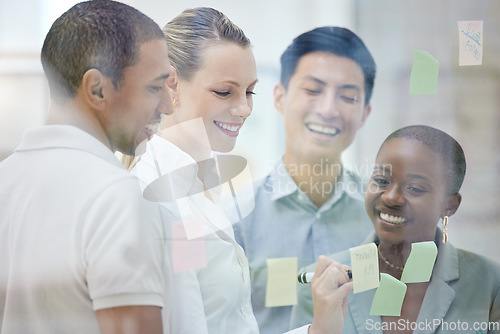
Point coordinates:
[(387, 262)]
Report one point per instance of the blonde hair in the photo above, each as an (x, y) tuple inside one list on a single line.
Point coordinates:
[(129, 161), (187, 35), (194, 29)]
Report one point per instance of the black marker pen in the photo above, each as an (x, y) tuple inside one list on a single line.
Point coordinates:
[(305, 278)]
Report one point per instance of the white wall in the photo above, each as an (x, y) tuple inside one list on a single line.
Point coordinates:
[(466, 105), (271, 25)]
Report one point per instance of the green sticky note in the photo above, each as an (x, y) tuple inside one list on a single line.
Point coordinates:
[(281, 287), (364, 263), (418, 267), (389, 296), (424, 74)]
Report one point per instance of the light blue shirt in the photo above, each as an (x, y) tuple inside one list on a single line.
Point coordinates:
[(285, 223)]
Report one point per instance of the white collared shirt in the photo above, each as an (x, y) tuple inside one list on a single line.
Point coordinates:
[(75, 235), (213, 294)]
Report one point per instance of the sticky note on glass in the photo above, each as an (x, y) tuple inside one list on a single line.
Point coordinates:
[(420, 262), (194, 222), (187, 254), (364, 263), (424, 74), (389, 296), (470, 43), (281, 287)]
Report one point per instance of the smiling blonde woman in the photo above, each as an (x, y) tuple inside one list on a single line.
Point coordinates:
[(212, 83)]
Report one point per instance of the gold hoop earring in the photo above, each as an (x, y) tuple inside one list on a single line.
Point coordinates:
[(445, 229), (174, 102)]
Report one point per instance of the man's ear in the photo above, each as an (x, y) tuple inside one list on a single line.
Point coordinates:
[(452, 204), (366, 112), (95, 87), (279, 98)]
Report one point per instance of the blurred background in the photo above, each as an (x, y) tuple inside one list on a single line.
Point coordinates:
[(467, 105)]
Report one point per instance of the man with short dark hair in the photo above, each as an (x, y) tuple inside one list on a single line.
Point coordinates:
[(81, 250), (310, 204)]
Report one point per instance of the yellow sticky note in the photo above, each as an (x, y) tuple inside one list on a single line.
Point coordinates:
[(470, 43), (364, 263), (424, 74), (389, 296), (420, 262), (281, 287)]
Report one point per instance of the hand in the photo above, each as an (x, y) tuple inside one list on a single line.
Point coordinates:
[(330, 292)]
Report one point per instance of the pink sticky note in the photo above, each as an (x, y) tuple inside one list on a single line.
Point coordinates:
[(470, 43), (187, 254)]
